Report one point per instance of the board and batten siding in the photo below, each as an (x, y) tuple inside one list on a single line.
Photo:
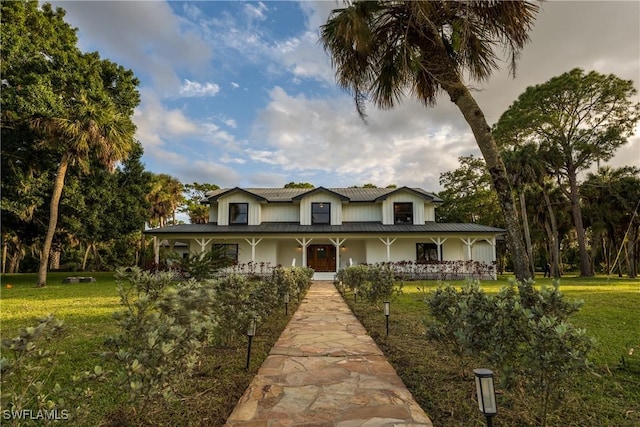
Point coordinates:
[(213, 213), (429, 212), (281, 212), (223, 208), (418, 207), (305, 208), (361, 212)]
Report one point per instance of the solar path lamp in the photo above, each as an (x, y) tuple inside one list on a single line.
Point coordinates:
[(486, 394), (387, 311), (286, 304), (251, 331)]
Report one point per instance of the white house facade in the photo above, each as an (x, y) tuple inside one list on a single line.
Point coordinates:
[(330, 228)]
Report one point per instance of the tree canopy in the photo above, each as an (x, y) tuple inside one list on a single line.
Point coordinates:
[(68, 108), (573, 120)]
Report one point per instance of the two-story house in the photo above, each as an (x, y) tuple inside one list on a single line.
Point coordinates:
[(330, 228)]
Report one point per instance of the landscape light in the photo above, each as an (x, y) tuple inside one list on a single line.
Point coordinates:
[(387, 311), (251, 331), (286, 304), (486, 394)]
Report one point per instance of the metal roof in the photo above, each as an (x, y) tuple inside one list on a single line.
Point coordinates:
[(345, 228), (275, 195)]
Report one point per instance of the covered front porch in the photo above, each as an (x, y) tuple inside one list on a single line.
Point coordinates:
[(326, 255)]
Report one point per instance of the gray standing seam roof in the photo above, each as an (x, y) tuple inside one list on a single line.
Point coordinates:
[(275, 195), (347, 227)]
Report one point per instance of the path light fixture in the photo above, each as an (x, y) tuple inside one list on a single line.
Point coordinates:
[(286, 304), (486, 394), (251, 331), (387, 311), (298, 293), (355, 294)]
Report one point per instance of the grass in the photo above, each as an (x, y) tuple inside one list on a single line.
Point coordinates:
[(607, 395), (87, 308)]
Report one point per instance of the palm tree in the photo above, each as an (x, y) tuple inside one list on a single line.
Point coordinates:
[(381, 49), (164, 199), (93, 128)]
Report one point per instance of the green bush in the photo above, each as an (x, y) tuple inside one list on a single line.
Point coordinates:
[(521, 331), (374, 283)]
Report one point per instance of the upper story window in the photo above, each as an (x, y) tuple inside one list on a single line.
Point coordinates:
[(320, 213), (403, 213), (238, 213)]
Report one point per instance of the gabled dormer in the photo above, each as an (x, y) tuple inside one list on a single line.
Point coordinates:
[(320, 206), (407, 206), (235, 206)]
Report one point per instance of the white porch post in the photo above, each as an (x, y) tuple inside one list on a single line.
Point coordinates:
[(338, 242), (439, 241), (492, 242), (203, 244), (468, 242), (253, 242), (388, 242), (304, 243)]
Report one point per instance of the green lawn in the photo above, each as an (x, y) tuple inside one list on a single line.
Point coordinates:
[(608, 395), (86, 309)]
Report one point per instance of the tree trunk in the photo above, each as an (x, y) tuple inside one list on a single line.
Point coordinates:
[(54, 257), (474, 116), (86, 257), (527, 232), (555, 244), (574, 196), (5, 246), (53, 220)]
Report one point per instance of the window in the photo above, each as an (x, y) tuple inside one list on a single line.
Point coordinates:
[(427, 252), (227, 250), (403, 213), (320, 213), (238, 213)]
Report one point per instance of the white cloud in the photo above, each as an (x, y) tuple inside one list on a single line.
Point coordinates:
[(256, 12), (145, 36), (235, 85), (195, 89)]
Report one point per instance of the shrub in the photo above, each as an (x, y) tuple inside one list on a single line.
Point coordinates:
[(522, 331), (375, 283)]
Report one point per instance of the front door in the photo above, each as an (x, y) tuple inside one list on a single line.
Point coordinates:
[(321, 257)]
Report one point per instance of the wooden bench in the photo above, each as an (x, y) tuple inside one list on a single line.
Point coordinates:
[(79, 279)]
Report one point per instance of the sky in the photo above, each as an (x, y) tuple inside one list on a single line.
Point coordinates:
[(238, 93)]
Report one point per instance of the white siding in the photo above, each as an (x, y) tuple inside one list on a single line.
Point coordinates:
[(429, 212), (482, 251), (280, 212), (336, 207), (403, 197), (223, 208), (368, 212), (213, 213)]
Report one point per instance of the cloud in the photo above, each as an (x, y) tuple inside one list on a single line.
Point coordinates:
[(326, 136), (195, 89), (257, 12), (145, 36)]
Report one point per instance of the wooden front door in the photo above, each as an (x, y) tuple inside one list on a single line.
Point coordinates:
[(321, 257)]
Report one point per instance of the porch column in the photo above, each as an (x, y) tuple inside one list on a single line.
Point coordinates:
[(468, 242), (253, 242), (492, 242), (338, 242), (439, 242), (304, 243), (203, 244), (387, 242)]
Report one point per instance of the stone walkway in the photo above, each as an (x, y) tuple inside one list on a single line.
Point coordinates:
[(325, 370)]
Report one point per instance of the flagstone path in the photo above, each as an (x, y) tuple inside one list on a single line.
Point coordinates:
[(323, 371)]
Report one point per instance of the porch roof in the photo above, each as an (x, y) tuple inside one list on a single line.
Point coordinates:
[(346, 227)]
